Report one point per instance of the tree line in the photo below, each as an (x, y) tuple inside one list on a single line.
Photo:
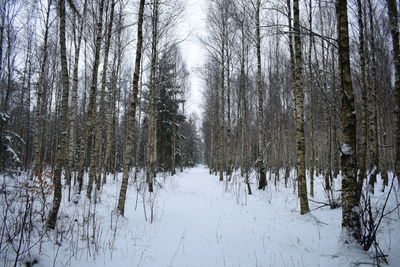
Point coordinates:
[(92, 88), (305, 85)]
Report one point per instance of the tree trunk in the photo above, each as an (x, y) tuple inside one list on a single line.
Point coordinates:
[(311, 81), (364, 121), (350, 199), (94, 172), (110, 132), (62, 140), (173, 137), (152, 128), (132, 111), (74, 102), (372, 109), (394, 30), (229, 123), (40, 103), (222, 154), (299, 94), (91, 113), (260, 107)]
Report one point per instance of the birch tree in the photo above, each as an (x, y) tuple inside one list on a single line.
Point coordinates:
[(350, 198), (299, 96), (394, 31), (62, 143), (132, 111)]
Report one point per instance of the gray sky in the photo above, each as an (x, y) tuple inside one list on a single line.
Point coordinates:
[(193, 24)]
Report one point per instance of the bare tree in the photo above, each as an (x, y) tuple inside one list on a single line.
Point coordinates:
[(394, 30), (62, 145), (132, 111), (350, 198), (299, 96), (91, 112)]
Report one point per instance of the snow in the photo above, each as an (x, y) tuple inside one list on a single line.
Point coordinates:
[(4, 117), (346, 149), (199, 221), (13, 154)]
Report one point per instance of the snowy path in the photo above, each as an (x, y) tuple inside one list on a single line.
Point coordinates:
[(199, 223), (205, 226)]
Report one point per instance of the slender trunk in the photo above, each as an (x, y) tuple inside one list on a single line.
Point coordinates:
[(228, 111), (350, 198), (91, 113), (394, 30), (40, 103), (74, 102), (152, 128), (132, 111), (173, 137), (2, 26), (299, 94), (311, 81), (94, 172), (244, 115), (364, 120), (62, 140), (138, 134), (110, 132), (328, 178), (260, 107), (372, 110)]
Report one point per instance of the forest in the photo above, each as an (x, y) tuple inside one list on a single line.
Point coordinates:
[(291, 159)]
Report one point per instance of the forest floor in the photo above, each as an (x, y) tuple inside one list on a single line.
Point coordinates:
[(199, 221)]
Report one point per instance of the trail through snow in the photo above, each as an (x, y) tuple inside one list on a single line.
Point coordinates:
[(200, 221)]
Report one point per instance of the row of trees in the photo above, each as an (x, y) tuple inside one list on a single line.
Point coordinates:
[(304, 85), (88, 87)]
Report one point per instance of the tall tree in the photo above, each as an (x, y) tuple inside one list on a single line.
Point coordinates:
[(364, 102), (372, 107), (350, 198), (74, 98), (260, 107), (91, 112), (299, 95), (62, 140), (132, 111), (94, 172), (40, 111), (394, 30)]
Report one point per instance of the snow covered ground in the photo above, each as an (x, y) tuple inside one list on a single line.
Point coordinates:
[(199, 221)]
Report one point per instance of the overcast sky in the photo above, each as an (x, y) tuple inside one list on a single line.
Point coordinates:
[(193, 25)]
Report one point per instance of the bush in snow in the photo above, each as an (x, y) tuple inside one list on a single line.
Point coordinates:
[(8, 140)]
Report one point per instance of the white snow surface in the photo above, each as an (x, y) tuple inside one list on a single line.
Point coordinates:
[(200, 221)]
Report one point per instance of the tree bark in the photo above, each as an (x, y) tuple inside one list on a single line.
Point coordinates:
[(364, 102), (41, 103), (394, 30), (260, 107), (350, 199), (299, 94), (311, 81), (152, 129), (222, 153), (110, 132), (74, 101), (62, 141), (372, 109), (132, 111), (92, 101), (94, 172)]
